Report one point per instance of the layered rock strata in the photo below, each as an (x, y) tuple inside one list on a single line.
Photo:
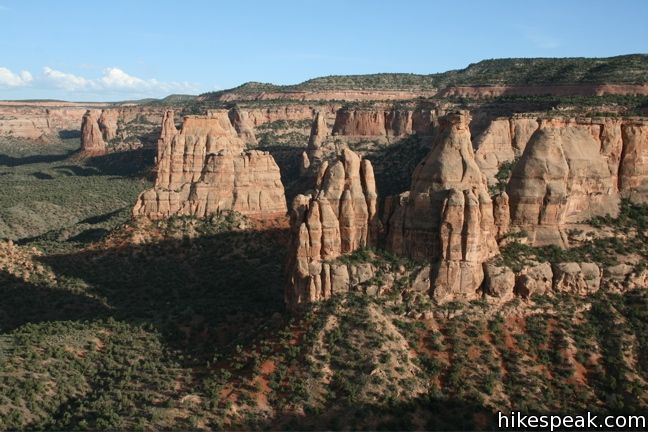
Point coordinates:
[(622, 143), (339, 217), (447, 216), (203, 169), (561, 178)]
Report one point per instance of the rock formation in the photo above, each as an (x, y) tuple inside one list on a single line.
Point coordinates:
[(622, 143), (108, 121), (92, 142), (560, 178), (203, 169), (447, 216), (243, 126), (502, 141), (633, 165), (339, 217)]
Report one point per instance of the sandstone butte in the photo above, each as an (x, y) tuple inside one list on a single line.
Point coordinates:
[(203, 169)]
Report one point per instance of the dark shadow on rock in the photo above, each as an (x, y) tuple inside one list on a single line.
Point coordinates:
[(288, 159), (203, 293), (26, 302)]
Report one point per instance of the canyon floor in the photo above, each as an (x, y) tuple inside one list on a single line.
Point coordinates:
[(95, 332)]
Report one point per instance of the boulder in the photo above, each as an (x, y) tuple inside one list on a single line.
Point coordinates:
[(499, 281), (576, 278), (534, 279)]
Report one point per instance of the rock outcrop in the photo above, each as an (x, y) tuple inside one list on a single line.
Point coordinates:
[(243, 126), (108, 123), (534, 279), (622, 143), (92, 142), (447, 216), (576, 278), (561, 178), (203, 169), (499, 282), (338, 218)]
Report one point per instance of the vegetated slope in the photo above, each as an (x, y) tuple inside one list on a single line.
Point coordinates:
[(45, 190), (179, 324), (97, 348), (626, 69)]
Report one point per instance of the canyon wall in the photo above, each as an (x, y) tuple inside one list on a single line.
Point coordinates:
[(560, 178), (566, 170), (467, 91), (203, 169), (35, 122)]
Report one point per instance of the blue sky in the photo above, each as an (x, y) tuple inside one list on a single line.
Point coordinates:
[(115, 50)]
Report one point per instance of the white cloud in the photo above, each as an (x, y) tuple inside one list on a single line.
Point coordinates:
[(112, 81), (10, 79), (66, 81)]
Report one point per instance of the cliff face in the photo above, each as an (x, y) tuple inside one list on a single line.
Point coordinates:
[(389, 123), (622, 143), (447, 217), (31, 121), (543, 90), (339, 217), (203, 169), (561, 178), (633, 166)]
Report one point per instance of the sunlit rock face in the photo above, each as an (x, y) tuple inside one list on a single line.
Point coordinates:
[(339, 217), (203, 169)]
